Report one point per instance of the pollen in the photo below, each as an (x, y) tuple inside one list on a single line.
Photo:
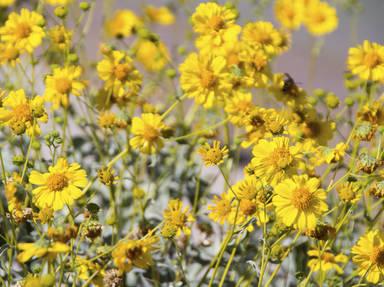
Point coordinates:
[(302, 198), (23, 30), (377, 256), (57, 182), (121, 71), (63, 85), (208, 79)]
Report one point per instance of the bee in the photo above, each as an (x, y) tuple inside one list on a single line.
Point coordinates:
[(290, 87)]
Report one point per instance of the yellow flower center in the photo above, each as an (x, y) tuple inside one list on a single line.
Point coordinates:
[(328, 257), (301, 198), (150, 133), (281, 157), (247, 207), (57, 182), (134, 252), (377, 256), (213, 155), (63, 85), (23, 113), (319, 18), (216, 23), (224, 207), (208, 79), (23, 30), (372, 59), (121, 71), (10, 53)]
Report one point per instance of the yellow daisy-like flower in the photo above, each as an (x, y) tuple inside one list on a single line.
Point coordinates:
[(213, 155), (6, 3), (262, 35), (320, 18), (290, 13), (135, 253), (62, 83), (178, 216), (272, 159), (9, 54), (123, 24), (221, 208), (326, 261), (300, 202), (119, 74), (160, 15), (61, 185), (368, 255), (61, 37), (205, 79), (21, 114), (336, 154), (147, 133), (153, 55), (367, 61), (40, 249), (58, 2), (23, 30), (239, 108)]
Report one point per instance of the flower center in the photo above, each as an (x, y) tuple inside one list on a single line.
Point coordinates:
[(10, 53), (57, 182), (247, 207), (281, 157), (208, 79), (377, 256), (121, 71), (301, 199), (23, 30), (216, 23), (372, 60), (134, 252), (150, 133), (22, 113), (328, 257), (63, 85), (214, 155)]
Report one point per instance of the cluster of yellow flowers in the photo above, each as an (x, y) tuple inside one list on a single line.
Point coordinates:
[(129, 168)]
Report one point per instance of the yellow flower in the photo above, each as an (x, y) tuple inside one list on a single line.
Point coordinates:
[(213, 155), (299, 201), (61, 37), (58, 2), (60, 186), (62, 83), (161, 15), (326, 261), (23, 30), (221, 208), (290, 13), (85, 268), (239, 107), (368, 255), (6, 3), (123, 24), (205, 79), (262, 35), (153, 55), (320, 18), (349, 191), (178, 217), (134, 253), (336, 154), (147, 133), (21, 114), (40, 249), (216, 27), (9, 54), (272, 159), (119, 74), (367, 61)]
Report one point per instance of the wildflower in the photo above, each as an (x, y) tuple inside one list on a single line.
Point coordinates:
[(272, 159), (58, 2), (153, 55), (61, 84), (86, 268), (119, 74), (6, 3), (24, 31), (61, 38), (377, 188), (9, 54), (21, 114), (123, 24), (325, 261), (336, 154), (239, 107), (60, 186), (178, 217), (221, 208), (213, 155), (299, 201), (107, 176), (204, 78), (134, 253), (320, 18), (349, 191), (160, 15), (147, 133), (40, 249), (367, 61), (290, 13), (368, 255)]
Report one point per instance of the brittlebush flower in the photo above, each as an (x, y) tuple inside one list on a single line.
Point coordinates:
[(9, 54), (239, 108), (367, 61), (123, 24), (221, 208), (61, 37), (6, 3), (62, 83), (325, 261), (134, 253), (160, 15), (21, 114), (320, 18), (205, 79), (368, 255), (147, 131), (213, 155), (40, 249), (58, 2), (178, 216), (300, 202), (290, 13), (23, 30), (61, 185), (153, 55)]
